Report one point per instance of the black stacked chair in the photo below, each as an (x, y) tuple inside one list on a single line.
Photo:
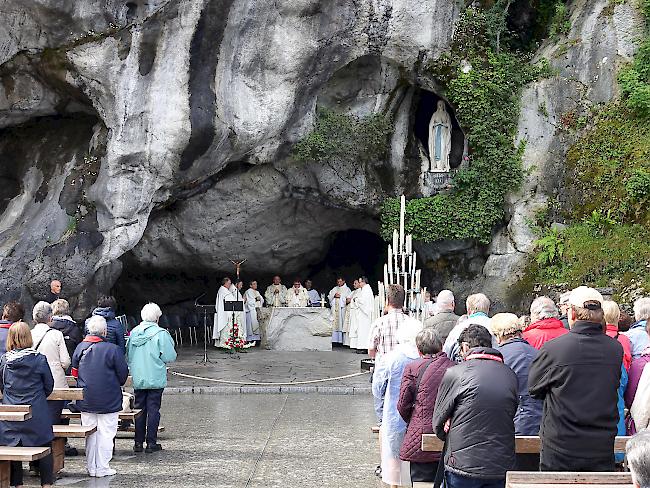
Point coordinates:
[(192, 323), (176, 326)]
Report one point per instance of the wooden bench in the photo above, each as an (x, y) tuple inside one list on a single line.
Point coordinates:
[(536, 479), (65, 394), (61, 433), (22, 454), (72, 381), (15, 413), (132, 415), (524, 444)]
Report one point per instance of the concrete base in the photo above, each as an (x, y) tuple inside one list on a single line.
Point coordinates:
[(296, 329)]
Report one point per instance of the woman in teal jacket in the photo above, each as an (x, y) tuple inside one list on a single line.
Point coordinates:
[(148, 350)]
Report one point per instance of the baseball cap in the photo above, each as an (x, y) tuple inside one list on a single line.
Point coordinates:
[(579, 296)]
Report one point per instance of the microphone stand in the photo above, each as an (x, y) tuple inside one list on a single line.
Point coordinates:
[(205, 308)]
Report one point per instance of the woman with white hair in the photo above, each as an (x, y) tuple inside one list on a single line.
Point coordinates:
[(386, 383), (637, 334), (545, 323), (148, 350), (101, 370), (51, 343)]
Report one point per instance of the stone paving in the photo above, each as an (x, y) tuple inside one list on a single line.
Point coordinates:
[(217, 440), (262, 366)]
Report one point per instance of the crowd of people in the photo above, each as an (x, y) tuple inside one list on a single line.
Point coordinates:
[(573, 373), (37, 360)]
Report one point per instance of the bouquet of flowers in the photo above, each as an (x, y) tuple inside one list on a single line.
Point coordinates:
[(234, 342)]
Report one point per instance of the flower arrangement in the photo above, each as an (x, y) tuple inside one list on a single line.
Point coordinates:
[(234, 342)]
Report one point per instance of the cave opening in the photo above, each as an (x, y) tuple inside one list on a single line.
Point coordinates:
[(426, 104), (350, 253)]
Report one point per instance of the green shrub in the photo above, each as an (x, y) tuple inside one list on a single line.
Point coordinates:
[(344, 137), (617, 256), (609, 167), (560, 22), (634, 81)]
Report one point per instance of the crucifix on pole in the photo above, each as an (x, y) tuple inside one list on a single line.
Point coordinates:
[(237, 264)]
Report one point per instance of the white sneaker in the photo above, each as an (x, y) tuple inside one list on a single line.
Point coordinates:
[(91, 474), (108, 472)]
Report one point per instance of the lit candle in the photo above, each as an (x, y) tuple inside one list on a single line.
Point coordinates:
[(402, 212)]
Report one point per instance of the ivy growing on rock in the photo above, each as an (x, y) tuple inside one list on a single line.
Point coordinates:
[(339, 137), (487, 103)]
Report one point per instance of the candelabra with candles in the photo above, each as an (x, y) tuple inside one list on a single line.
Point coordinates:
[(401, 270)]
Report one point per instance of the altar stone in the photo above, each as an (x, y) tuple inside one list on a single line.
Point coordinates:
[(296, 329)]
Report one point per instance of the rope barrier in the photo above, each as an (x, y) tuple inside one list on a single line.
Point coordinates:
[(245, 383)]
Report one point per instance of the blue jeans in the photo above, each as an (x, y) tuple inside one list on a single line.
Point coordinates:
[(458, 481), (146, 425)]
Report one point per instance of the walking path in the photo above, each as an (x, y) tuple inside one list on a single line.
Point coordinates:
[(247, 441)]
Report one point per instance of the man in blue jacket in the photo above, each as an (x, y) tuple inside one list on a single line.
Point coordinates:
[(149, 349), (115, 332)]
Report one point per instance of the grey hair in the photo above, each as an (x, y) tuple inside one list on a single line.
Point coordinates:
[(428, 341), (42, 313), (60, 307), (543, 308), (96, 326), (642, 309), (446, 300), (478, 303), (637, 453), (151, 312)]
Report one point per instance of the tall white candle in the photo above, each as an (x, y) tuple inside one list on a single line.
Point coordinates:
[(395, 250), (402, 212), (414, 260), (390, 272), (385, 274), (417, 279), (403, 263)]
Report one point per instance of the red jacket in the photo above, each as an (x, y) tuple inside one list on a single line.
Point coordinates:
[(416, 408), (543, 331), (612, 331)]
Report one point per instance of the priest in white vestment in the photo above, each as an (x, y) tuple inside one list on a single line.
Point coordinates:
[(222, 319), (361, 319), (297, 296), (252, 301), (337, 298), (350, 305), (275, 293)]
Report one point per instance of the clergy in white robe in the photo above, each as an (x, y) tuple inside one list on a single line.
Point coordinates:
[(221, 317), (252, 301), (275, 293), (350, 305), (297, 296), (361, 318), (337, 298)]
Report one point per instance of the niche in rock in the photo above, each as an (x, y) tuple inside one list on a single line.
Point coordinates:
[(435, 118)]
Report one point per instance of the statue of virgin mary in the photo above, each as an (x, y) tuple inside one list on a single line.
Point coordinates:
[(440, 139)]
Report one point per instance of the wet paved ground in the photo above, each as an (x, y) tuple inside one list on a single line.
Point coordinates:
[(262, 366), (219, 441)]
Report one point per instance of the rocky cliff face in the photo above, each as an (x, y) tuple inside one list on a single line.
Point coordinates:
[(157, 135)]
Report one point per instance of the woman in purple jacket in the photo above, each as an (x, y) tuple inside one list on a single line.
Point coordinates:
[(417, 399)]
